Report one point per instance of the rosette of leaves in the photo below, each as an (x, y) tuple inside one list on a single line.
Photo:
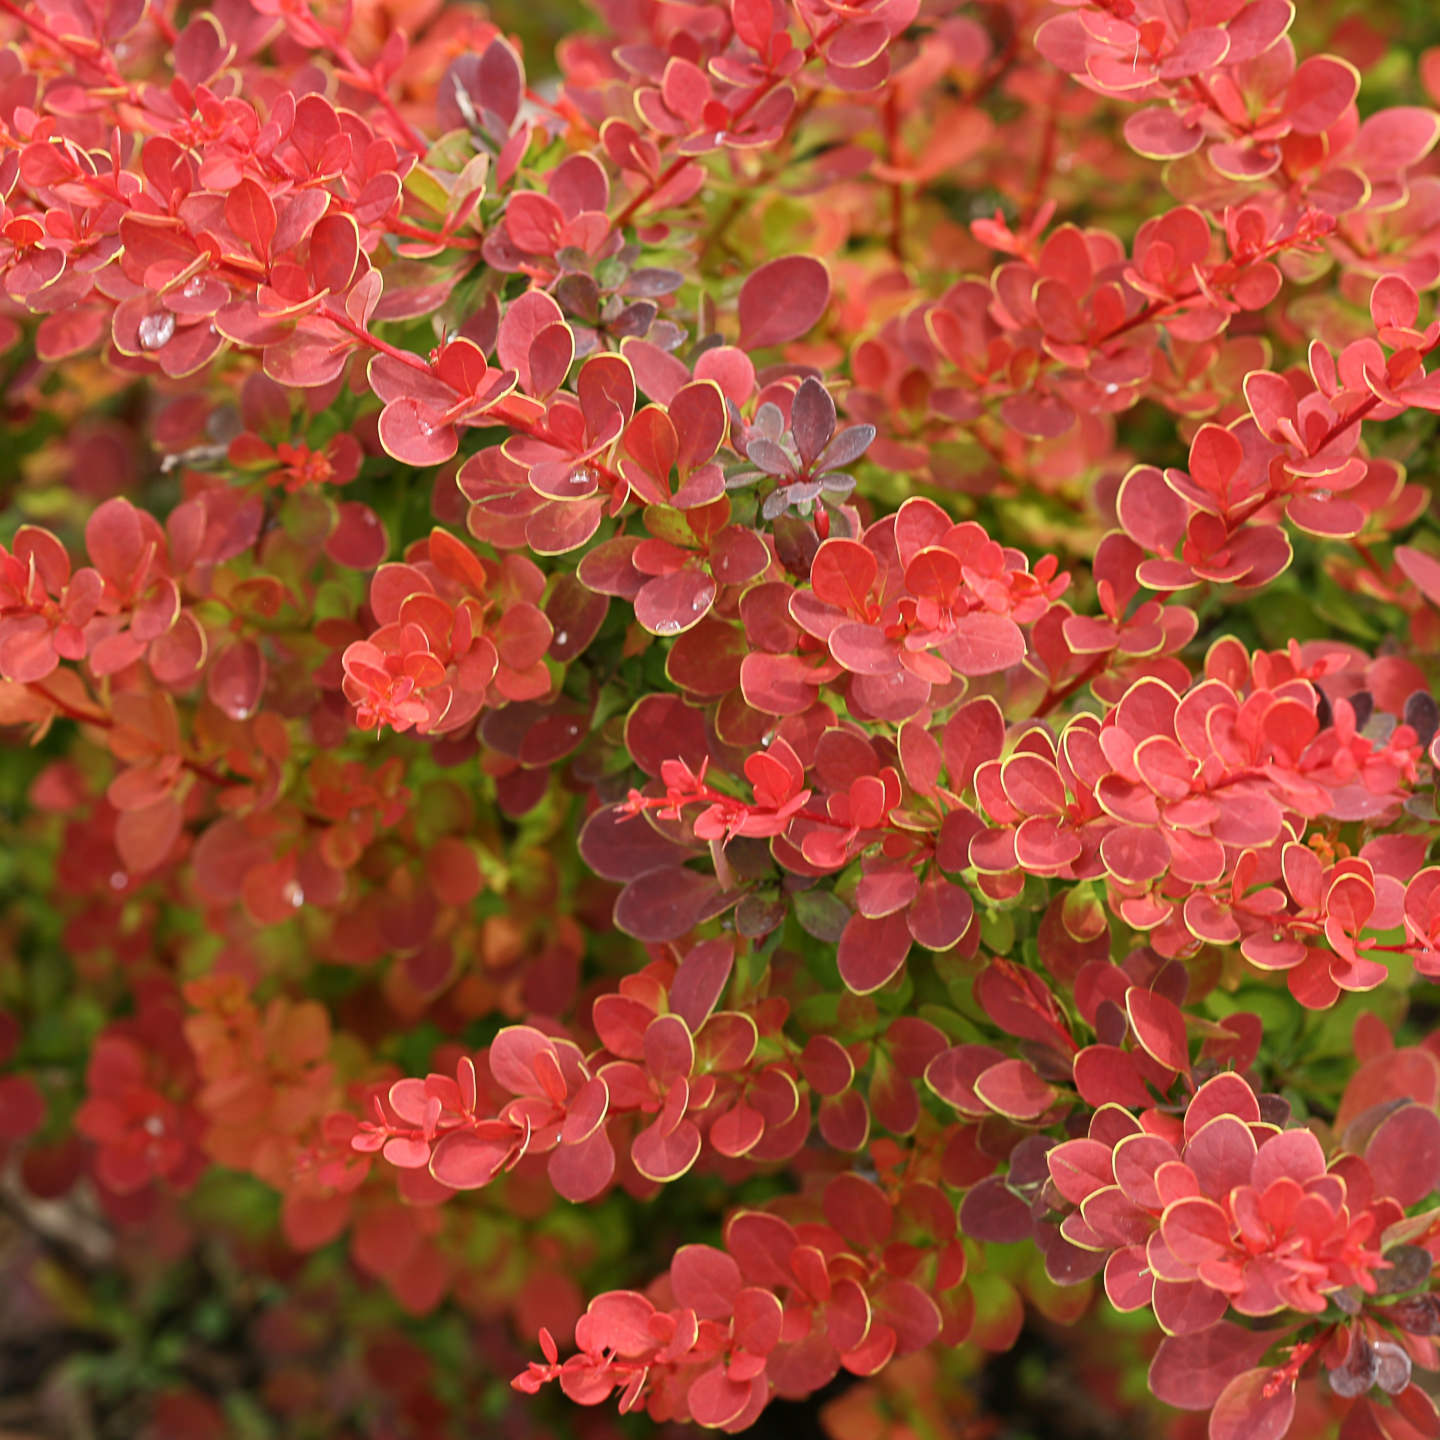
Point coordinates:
[(615, 300), (804, 461)]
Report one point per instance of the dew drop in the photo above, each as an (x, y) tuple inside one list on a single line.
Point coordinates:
[(118, 879), (194, 288), (156, 330), (294, 894), (1323, 494), (154, 1125), (1112, 388), (561, 636), (667, 627), (581, 479), (719, 138)]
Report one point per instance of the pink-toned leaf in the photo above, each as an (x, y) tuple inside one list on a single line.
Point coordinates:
[(1404, 1154), (581, 1173), (782, 301), (1190, 1372), (1258, 1405), (1013, 1089), (1159, 1026), (705, 1279)]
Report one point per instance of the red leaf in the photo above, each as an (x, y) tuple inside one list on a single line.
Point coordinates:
[(660, 728), (1161, 133), (1225, 1094), (334, 252), (697, 411), (1320, 91), (619, 1320), (1129, 1281), (656, 908), (534, 222), (1159, 1026), (706, 1280), (664, 1157), (250, 213), (1196, 1229), (1191, 1371), (701, 980), (467, 1161), (842, 574), (416, 434), (236, 679), (1135, 853), (1404, 1154), (716, 1400), (1105, 1075), (758, 1319), (669, 1049), (358, 540), (754, 23), (671, 604), (514, 1054), (973, 735), (995, 1214), (551, 354), (858, 1209), (984, 644), (1394, 303), (1222, 1154), (940, 914), (1079, 1168), (144, 838), (525, 317), (872, 952), (782, 300), (1013, 1089), (307, 359), (1421, 569), (1257, 1405), (581, 1173)]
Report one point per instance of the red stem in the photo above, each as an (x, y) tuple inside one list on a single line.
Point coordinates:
[(897, 190), (1058, 696), (104, 721), (1045, 161)]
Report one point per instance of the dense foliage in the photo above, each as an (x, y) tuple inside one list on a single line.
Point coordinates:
[(803, 653)]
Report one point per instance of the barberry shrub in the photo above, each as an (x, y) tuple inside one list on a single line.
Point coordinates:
[(744, 699)]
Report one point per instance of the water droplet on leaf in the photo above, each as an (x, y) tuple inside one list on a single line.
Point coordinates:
[(156, 330)]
